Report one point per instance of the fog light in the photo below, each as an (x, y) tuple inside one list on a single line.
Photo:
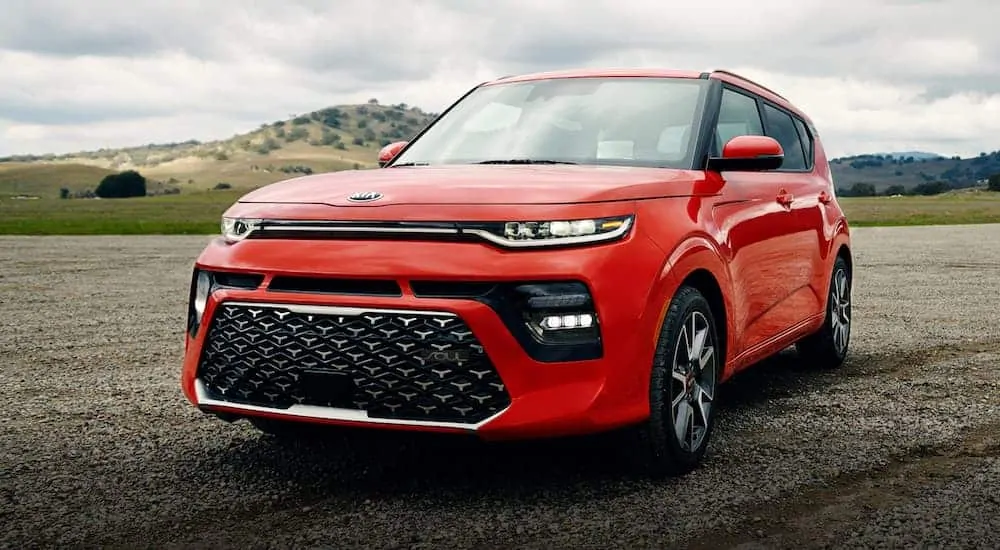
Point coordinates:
[(557, 322)]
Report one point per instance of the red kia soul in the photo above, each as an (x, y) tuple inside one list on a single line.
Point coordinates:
[(556, 254)]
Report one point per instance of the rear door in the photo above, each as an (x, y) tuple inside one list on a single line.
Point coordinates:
[(802, 187)]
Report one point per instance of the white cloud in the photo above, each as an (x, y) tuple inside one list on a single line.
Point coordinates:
[(874, 75)]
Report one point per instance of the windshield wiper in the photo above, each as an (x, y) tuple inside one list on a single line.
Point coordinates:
[(410, 164), (525, 161)]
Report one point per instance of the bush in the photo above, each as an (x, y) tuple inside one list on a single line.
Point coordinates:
[(340, 145), (296, 169), (931, 188), (296, 134), (122, 185), (267, 146), (64, 193), (993, 182), (895, 190), (358, 141), (863, 190), (222, 185), (329, 138), (221, 156), (300, 120)]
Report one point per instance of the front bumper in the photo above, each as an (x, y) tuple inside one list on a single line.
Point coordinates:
[(499, 389)]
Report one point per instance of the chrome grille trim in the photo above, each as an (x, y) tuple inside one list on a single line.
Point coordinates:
[(331, 413)]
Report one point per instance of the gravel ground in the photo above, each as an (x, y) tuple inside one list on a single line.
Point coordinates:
[(901, 447)]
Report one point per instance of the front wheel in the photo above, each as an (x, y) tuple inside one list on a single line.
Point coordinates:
[(685, 374), (827, 348)]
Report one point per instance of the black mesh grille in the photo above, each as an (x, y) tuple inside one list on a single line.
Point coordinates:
[(414, 366)]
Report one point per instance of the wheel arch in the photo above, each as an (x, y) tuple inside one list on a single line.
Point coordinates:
[(697, 261), (706, 283)]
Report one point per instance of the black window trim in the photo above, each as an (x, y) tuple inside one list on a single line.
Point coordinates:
[(713, 120), (717, 107), (809, 140), (810, 159)]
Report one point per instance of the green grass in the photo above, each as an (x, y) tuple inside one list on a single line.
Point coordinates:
[(969, 207), (191, 214), (199, 213)]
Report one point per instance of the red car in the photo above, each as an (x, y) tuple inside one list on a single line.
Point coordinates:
[(556, 254)]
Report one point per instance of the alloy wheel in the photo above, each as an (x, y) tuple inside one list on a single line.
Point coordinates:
[(840, 310), (693, 381)]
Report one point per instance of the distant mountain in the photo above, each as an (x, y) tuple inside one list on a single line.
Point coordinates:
[(918, 155), (898, 172)]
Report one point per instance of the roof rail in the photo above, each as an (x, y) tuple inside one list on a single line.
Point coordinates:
[(747, 80)]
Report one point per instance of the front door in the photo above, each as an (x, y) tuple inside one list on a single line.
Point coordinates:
[(759, 231)]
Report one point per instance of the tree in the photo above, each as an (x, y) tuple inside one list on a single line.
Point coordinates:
[(863, 190), (122, 185), (895, 190), (63, 193), (931, 188), (994, 182)]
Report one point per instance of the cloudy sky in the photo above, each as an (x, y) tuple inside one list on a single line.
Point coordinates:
[(875, 75)]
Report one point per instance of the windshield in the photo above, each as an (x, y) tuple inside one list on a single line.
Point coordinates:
[(618, 121)]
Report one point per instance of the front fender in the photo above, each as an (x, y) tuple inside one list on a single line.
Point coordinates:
[(694, 252)]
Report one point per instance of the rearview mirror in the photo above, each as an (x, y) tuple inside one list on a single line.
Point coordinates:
[(389, 152), (748, 154)]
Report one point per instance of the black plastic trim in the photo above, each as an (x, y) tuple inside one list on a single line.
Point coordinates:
[(512, 308), (709, 120), (329, 285)]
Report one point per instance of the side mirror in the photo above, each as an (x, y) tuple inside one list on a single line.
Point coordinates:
[(748, 154), (389, 152)]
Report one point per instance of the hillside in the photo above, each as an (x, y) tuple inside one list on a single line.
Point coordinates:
[(37, 179), (349, 136), (886, 171), (335, 138)]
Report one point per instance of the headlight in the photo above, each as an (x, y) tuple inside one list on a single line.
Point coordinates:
[(237, 229), (558, 232)]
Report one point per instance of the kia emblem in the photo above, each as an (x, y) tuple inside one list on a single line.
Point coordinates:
[(365, 196)]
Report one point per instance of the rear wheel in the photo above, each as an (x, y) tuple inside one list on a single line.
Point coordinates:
[(827, 348), (685, 375)]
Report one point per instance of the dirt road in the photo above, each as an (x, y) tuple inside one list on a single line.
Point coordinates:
[(98, 447)]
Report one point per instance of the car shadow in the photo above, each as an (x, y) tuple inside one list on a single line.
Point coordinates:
[(378, 463)]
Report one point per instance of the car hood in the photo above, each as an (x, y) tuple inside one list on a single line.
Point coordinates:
[(486, 184)]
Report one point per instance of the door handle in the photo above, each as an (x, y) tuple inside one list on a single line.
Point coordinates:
[(785, 198), (825, 198)]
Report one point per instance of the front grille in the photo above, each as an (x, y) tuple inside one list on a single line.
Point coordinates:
[(405, 365)]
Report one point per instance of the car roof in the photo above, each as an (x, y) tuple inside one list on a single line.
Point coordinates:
[(728, 77)]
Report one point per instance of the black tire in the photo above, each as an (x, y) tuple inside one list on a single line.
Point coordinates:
[(827, 348), (657, 449)]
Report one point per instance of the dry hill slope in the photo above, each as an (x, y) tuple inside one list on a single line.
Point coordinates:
[(335, 138)]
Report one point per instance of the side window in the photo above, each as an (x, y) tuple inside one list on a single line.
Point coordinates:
[(738, 116), (781, 127), (807, 142)]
